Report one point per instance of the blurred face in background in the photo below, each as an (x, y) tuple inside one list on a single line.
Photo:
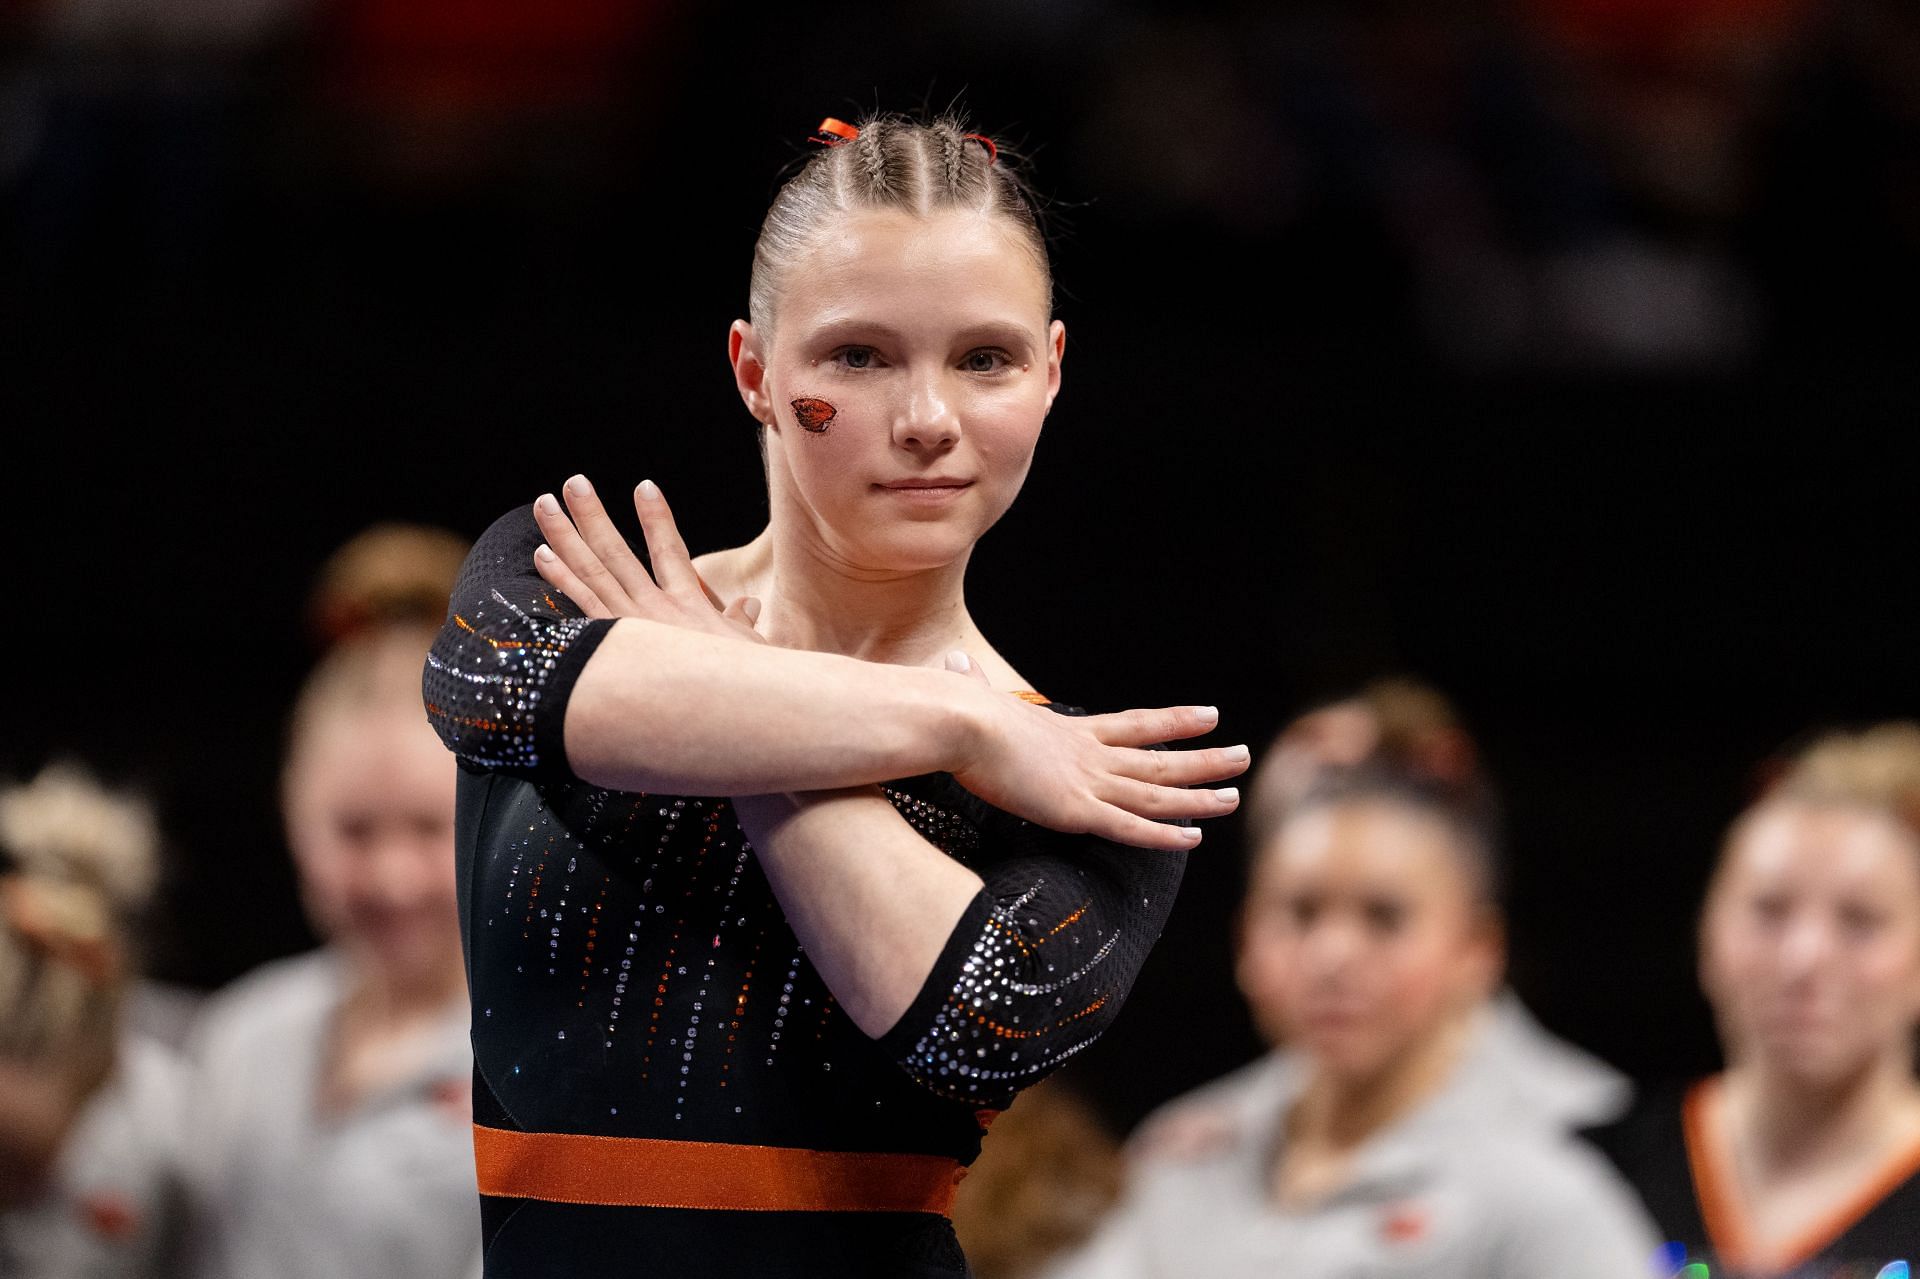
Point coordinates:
[(1810, 944), (369, 807), (1364, 935)]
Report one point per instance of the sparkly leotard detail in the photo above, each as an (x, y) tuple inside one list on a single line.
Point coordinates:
[(633, 976)]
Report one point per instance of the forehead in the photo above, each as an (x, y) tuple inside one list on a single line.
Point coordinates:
[(1833, 847), (953, 266), (361, 750), (1369, 845)]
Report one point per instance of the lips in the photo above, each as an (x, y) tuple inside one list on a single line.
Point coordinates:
[(929, 492)]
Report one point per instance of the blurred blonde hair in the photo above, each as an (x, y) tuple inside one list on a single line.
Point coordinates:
[(77, 866), (1875, 768)]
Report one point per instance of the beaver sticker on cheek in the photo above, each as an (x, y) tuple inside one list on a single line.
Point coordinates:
[(813, 414)]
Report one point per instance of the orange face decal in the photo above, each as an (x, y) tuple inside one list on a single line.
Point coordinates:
[(813, 414)]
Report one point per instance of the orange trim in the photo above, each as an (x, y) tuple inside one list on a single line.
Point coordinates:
[(645, 1172), (1727, 1225), (1028, 695)]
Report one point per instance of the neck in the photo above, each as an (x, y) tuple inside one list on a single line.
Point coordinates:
[(809, 600), (380, 996), (1340, 1111), (1781, 1121)]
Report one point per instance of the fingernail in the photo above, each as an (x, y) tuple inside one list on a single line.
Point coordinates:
[(1208, 714), (1193, 834), (649, 490), (751, 607), (547, 504), (958, 661), (578, 486), (1228, 794), (1238, 754), (543, 552)]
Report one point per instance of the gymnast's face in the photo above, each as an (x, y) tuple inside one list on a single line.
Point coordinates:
[(1810, 944), (369, 798), (924, 349), (1363, 935)]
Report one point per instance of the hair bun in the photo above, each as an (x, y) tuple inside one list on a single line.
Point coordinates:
[(64, 828), (391, 574)]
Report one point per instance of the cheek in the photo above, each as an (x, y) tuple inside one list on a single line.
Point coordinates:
[(327, 875), (1423, 975), (1004, 425), (1268, 968), (1888, 972)]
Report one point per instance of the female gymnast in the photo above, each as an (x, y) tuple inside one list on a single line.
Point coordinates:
[(1803, 1158), (770, 908)]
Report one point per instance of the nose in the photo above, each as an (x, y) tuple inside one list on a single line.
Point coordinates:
[(927, 422), (1804, 948), (1330, 948), (396, 875)]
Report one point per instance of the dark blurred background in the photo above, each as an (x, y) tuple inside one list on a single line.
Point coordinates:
[(1561, 353)]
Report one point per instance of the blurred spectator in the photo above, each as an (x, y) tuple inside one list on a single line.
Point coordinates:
[(1412, 1119), (1803, 1158), (1048, 1172), (88, 1107), (331, 1096)]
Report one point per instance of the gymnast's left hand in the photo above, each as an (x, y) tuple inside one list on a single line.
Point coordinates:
[(586, 559)]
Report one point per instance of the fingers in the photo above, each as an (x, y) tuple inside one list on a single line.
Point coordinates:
[(672, 566), (586, 567), (744, 613), (1181, 768), (1123, 827), (1145, 727), (1167, 803), (598, 531), (960, 663), (563, 579)]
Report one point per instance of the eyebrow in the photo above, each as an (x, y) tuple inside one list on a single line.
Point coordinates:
[(1003, 332)]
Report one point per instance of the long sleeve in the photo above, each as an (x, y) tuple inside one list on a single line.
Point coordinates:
[(498, 678), (1041, 962)]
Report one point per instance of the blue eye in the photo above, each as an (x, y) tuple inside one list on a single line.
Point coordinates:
[(986, 359), (855, 357)]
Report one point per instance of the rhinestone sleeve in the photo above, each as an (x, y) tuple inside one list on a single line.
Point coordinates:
[(497, 680), (1038, 966)]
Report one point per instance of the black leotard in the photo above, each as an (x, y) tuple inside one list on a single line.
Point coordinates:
[(633, 976), (1658, 1150)]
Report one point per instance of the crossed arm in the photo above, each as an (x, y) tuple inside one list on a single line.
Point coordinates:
[(680, 696)]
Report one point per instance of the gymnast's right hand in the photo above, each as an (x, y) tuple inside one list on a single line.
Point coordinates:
[(1094, 774), (587, 560)]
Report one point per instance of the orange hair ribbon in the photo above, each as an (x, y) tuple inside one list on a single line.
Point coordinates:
[(832, 132)]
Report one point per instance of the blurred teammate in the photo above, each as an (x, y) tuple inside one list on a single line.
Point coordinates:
[(88, 1107), (328, 1118), (1803, 1157), (1408, 1126)]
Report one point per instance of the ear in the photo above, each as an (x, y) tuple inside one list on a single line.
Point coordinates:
[(745, 354), (1056, 351)]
